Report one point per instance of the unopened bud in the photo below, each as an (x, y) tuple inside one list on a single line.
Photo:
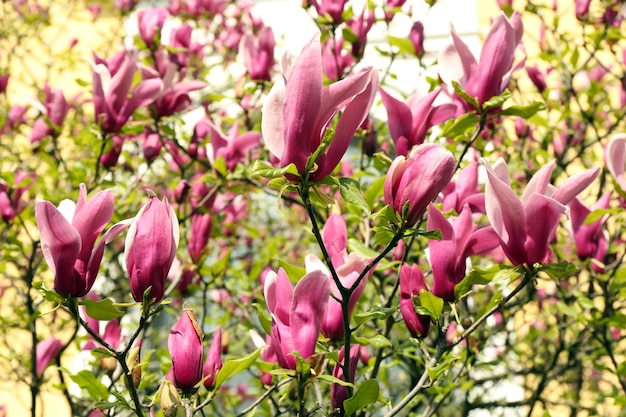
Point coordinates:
[(169, 399), (132, 361)]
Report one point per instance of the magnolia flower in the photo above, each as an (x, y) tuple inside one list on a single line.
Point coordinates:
[(465, 190), (591, 239), (47, 351), (409, 122), (297, 314), (489, 76), (185, 346), (213, 360), (150, 22), (460, 239), (233, 148), (299, 109), (258, 53), (411, 283), (526, 225), (150, 248), (418, 179), (348, 268), (54, 109), (338, 392), (114, 96), (68, 235), (330, 8), (615, 158)]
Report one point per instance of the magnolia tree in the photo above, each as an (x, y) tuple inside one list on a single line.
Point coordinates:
[(209, 228)]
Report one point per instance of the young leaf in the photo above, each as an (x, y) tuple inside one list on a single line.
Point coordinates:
[(234, 366), (366, 394), (431, 303), (351, 192), (47, 293), (103, 310)]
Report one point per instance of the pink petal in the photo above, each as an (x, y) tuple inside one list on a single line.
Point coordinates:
[(310, 299), (545, 213), (574, 185), (272, 123), (399, 116)]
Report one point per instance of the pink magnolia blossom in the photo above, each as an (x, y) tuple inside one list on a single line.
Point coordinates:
[(114, 96), (297, 314), (258, 54), (174, 96), (47, 351), (465, 190), (409, 122), (233, 148), (615, 158), (591, 239), (213, 360), (338, 392), (418, 179), (489, 76), (53, 109), (526, 225), (150, 22), (200, 234), (335, 60), (299, 109), (150, 248), (416, 36), (330, 8), (68, 235), (348, 268), (360, 25), (185, 346), (411, 284), (11, 196), (460, 239)]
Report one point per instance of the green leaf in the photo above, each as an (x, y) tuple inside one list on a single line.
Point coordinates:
[(379, 341), (350, 190), (103, 310), (374, 191), (220, 166), (234, 366), (497, 101), (48, 294), (596, 215), (292, 270), (431, 303), (525, 112), (459, 90), (379, 313), (404, 45), (558, 270), (263, 170), (104, 352), (264, 318), (461, 125), (334, 380), (483, 276), (87, 381), (366, 394), (359, 247), (219, 267)]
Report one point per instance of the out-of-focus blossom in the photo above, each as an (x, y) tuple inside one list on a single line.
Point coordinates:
[(11, 197), (297, 314), (185, 346), (114, 96), (213, 360), (150, 248), (360, 26), (4, 81), (174, 96), (200, 234), (615, 158), (460, 239), (409, 122), (489, 76), (109, 159), (330, 9), (298, 111), (68, 235), (335, 60), (418, 179), (591, 239), (416, 36), (54, 109), (232, 148), (526, 225), (411, 283), (258, 54), (150, 23), (47, 351), (537, 77), (338, 392)]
